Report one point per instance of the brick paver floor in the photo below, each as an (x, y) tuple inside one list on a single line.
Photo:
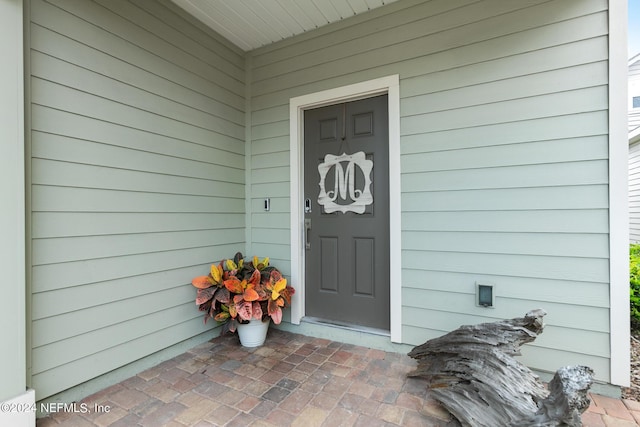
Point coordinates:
[(292, 380)]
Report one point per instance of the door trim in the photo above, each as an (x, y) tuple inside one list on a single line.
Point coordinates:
[(389, 85)]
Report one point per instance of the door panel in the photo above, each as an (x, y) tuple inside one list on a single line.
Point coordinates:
[(347, 258), (364, 261), (329, 263)]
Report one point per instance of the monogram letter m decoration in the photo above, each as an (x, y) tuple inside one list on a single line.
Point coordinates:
[(344, 183)]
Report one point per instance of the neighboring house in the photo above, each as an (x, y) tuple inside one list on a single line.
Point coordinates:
[(634, 149), (144, 145)]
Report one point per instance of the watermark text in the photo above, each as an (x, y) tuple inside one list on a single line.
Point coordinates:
[(54, 407)]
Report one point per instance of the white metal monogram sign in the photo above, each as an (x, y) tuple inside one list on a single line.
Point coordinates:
[(354, 199)]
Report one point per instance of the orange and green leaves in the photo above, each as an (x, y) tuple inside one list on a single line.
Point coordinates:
[(274, 310), (234, 285), (214, 278), (278, 287), (243, 290), (204, 295), (216, 273), (236, 263), (223, 295), (223, 315), (202, 282), (280, 296), (260, 265), (237, 291), (249, 310)]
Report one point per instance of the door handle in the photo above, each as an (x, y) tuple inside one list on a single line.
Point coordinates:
[(307, 231)]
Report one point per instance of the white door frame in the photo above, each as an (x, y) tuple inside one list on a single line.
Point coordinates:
[(391, 86)]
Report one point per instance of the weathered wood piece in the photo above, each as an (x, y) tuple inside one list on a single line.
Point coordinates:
[(568, 399), (473, 373)]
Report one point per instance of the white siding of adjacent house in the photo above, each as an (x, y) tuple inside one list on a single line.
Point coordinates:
[(634, 153), (634, 91), (136, 180), (504, 159), (634, 193)]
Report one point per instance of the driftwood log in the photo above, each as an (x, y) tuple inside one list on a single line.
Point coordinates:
[(567, 399), (473, 373)]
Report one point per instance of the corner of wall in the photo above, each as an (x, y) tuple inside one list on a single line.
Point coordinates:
[(618, 196), (12, 188), (248, 64)]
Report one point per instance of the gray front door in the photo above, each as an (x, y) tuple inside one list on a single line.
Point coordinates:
[(346, 182)]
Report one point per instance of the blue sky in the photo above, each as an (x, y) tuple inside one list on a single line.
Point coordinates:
[(634, 27)]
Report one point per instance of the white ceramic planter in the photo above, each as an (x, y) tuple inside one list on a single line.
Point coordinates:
[(254, 333)]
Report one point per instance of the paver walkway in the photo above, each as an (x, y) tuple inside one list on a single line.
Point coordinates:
[(292, 380)]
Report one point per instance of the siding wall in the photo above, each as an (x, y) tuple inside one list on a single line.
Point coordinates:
[(634, 155), (137, 180), (504, 158), (634, 91), (634, 192)]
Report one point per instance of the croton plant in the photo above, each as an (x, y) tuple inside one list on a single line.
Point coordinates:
[(237, 291)]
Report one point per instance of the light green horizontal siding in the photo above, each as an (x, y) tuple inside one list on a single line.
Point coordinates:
[(489, 39), (65, 174), (225, 151), (70, 100), (67, 249), (271, 145), (49, 304), (49, 146), (564, 103), (127, 40), (56, 199), (541, 83), (574, 197), (80, 326), (530, 153), (538, 221), (422, 37), (278, 205), (548, 128), (67, 224), (513, 70), (545, 244), (589, 294), (577, 173), (83, 272), (504, 157), (544, 267), (137, 180), (65, 74), (271, 236), (71, 374)]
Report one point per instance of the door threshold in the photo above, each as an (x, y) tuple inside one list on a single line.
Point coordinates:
[(347, 326)]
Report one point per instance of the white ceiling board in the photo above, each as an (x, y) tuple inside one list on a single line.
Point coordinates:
[(358, 6), (250, 24), (343, 7)]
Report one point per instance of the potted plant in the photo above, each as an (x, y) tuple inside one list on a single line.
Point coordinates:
[(243, 296)]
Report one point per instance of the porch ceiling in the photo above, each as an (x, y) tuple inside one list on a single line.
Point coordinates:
[(250, 24)]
